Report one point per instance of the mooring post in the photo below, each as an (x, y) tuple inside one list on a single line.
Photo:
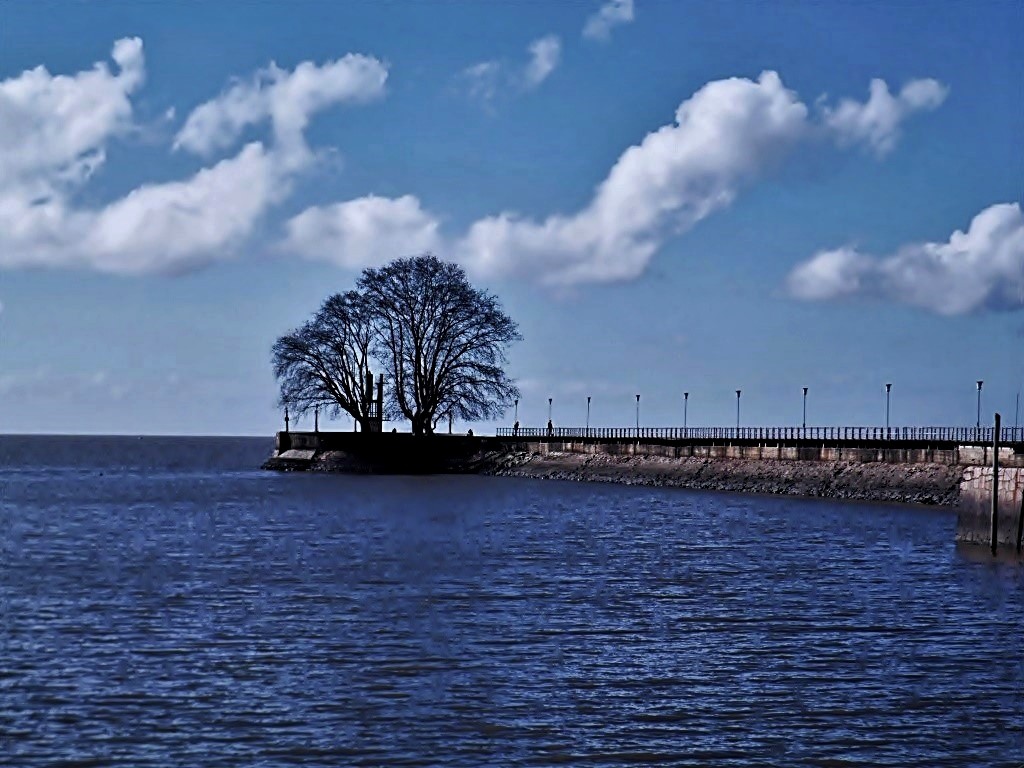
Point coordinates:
[(995, 486)]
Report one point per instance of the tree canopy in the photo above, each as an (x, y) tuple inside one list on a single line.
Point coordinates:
[(441, 341)]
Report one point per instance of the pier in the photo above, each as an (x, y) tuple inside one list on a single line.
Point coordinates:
[(979, 470)]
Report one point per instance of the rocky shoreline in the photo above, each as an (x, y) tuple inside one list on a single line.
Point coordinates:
[(934, 484)]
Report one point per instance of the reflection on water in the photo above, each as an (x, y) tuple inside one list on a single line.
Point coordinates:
[(165, 604)]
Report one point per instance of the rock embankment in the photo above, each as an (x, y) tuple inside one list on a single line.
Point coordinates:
[(937, 484)]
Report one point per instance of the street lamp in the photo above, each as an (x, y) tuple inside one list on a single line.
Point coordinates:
[(316, 418), (686, 403), (1016, 415), (980, 382), (517, 409), (549, 408), (888, 389), (738, 409), (286, 419), (588, 415), (805, 408), (638, 417)]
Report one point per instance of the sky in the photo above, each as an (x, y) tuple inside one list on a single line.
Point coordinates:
[(668, 197)]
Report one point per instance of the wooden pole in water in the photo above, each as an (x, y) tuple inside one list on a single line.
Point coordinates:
[(995, 486)]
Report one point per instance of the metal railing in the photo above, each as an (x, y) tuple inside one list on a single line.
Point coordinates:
[(930, 434)]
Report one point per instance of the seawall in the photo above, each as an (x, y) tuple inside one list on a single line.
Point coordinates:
[(949, 474), (920, 483)]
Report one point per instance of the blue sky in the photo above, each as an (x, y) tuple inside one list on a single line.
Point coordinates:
[(668, 197)]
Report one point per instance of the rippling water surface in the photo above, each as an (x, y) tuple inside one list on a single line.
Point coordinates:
[(165, 603)]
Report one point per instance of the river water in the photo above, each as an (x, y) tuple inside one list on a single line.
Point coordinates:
[(165, 603)]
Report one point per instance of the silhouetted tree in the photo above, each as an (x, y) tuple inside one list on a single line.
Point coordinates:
[(442, 340), (324, 363)]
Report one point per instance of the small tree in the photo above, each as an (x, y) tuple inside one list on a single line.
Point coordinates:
[(442, 341), (325, 362)]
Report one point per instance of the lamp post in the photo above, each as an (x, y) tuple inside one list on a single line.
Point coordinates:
[(738, 410), (588, 415), (805, 408), (638, 417), (316, 418), (888, 389), (286, 419), (978, 424), (517, 410), (686, 403)]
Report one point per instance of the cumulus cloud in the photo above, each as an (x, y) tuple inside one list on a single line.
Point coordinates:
[(368, 231), (53, 128), (544, 56), (486, 80), (54, 133), (679, 174), (722, 136), (287, 99), (980, 269), (165, 227), (613, 13), (876, 122)]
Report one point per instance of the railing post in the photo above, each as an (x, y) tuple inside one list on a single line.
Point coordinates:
[(995, 486)]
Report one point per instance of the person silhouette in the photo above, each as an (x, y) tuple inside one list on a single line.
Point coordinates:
[(515, 429), (551, 428)]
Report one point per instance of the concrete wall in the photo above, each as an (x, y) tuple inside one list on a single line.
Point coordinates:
[(974, 514), (951, 455)]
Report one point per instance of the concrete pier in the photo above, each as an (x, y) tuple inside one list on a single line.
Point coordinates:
[(920, 470)]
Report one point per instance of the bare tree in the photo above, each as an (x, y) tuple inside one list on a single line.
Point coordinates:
[(442, 339), (325, 362)]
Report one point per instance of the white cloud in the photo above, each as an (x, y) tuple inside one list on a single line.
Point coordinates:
[(287, 99), (544, 56), (178, 225), (613, 13), (368, 231), (54, 131), (481, 80), (876, 122), (53, 128), (155, 228), (830, 274), (486, 80), (679, 174), (980, 269), (722, 136)]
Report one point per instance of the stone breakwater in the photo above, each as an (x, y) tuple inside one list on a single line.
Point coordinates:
[(937, 484)]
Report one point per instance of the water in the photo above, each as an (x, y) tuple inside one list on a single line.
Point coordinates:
[(165, 603)]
